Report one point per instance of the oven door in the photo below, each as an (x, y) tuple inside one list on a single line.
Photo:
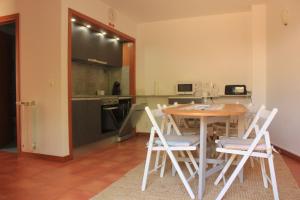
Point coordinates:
[(110, 121)]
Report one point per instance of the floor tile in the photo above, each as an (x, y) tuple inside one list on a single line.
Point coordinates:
[(93, 170)]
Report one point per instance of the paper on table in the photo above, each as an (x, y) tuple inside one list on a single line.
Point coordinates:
[(204, 107)]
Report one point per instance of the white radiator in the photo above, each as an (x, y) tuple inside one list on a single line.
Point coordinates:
[(28, 119)]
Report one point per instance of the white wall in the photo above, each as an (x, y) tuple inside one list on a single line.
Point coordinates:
[(40, 72), (214, 48), (283, 73), (259, 56), (8, 7)]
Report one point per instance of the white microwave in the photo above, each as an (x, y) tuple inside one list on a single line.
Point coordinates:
[(185, 88)]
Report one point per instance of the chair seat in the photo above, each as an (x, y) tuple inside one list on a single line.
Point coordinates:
[(189, 131), (240, 144), (179, 141)]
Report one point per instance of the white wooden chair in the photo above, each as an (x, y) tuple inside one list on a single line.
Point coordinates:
[(169, 144), (173, 129), (259, 147), (249, 116)]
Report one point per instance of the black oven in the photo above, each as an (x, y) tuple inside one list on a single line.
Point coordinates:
[(110, 115)]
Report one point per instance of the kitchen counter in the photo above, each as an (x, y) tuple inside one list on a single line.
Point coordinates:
[(172, 96), (94, 97)]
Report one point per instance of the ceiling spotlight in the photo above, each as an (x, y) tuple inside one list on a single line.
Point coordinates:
[(117, 38), (103, 33), (88, 26), (73, 20)]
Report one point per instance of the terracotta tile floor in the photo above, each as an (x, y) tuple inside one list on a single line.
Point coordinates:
[(294, 166), (92, 170), (28, 178)]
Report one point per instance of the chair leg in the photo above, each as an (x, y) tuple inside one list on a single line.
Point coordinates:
[(187, 164), (224, 170), (263, 172), (233, 176), (227, 128), (181, 175), (227, 135), (218, 158), (173, 171), (273, 178), (173, 168), (146, 171), (163, 165), (241, 175), (193, 160), (157, 160)]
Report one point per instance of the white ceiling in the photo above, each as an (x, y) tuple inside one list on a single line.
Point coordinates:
[(156, 10)]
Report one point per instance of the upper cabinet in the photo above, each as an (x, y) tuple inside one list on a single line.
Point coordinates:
[(87, 44)]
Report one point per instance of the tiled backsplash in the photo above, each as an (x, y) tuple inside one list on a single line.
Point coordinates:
[(87, 79)]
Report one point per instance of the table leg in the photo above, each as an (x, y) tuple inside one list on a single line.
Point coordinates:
[(202, 157), (241, 130), (241, 125)]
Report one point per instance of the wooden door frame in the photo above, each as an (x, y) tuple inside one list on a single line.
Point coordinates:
[(73, 13), (15, 18)]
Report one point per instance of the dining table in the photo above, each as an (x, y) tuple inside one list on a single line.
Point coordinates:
[(204, 112)]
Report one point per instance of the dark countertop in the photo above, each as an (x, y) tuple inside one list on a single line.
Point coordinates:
[(95, 97)]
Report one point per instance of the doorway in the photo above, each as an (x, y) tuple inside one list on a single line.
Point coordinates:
[(9, 113)]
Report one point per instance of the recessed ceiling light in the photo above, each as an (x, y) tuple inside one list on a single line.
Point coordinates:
[(103, 33), (73, 20), (117, 38), (88, 26)]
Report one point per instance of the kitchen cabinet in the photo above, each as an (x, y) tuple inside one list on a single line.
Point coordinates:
[(86, 124), (87, 44)]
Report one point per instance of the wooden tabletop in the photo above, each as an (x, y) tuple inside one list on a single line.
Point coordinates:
[(227, 110)]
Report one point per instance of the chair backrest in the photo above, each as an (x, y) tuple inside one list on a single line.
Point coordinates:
[(152, 114), (164, 120), (171, 122), (155, 128), (261, 121), (266, 117), (254, 122), (252, 108)]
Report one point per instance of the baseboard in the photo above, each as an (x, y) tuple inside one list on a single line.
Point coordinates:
[(287, 153), (47, 157)]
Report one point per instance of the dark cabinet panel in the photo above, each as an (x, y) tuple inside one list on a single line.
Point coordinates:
[(87, 44), (86, 121), (80, 42)]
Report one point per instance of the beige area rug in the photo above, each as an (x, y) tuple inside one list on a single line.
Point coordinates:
[(171, 188)]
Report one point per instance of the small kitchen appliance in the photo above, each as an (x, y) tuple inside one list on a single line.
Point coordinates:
[(185, 88), (235, 90)]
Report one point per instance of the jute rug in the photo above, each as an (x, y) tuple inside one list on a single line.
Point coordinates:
[(169, 187)]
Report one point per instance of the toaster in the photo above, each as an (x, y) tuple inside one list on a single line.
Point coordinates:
[(235, 90)]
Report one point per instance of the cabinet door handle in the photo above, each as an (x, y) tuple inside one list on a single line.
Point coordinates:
[(110, 108), (97, 61)]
